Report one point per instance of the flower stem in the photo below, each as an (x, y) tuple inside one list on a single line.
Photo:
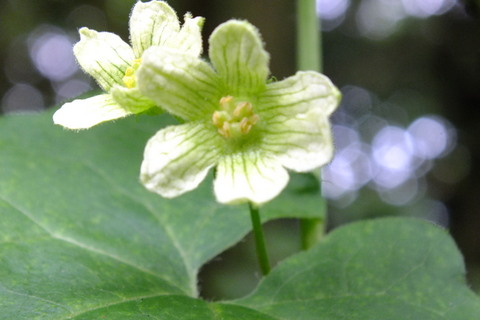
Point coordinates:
[(259, 240), (309, 57)]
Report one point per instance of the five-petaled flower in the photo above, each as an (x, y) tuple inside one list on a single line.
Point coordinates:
[(113, 63), (249, 128)]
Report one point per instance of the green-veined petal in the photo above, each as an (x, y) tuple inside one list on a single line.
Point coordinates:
[(189, 39), (180, 83), (301, 143), (131, 99), (178, 158), (152, 23), (237, 53), (104, 56), (85, 113), (249, 176), (304, 90), (296, 112)]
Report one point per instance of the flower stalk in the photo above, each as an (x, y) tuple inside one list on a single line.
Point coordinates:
[(260, 246), (309, 57)]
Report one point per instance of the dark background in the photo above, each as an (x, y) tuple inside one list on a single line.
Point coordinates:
[(409, 73)]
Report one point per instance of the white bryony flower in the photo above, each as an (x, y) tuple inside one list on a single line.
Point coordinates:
[(249, 128), (113, 63)]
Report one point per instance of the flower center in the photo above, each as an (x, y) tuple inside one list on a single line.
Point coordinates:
[(234, 119), (129, 78)]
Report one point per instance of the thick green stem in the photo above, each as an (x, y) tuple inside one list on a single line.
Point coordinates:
[(309, 57), (259, 240)]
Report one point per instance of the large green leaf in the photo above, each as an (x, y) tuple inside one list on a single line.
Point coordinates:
[(80, 238), (74, 213), (384, 269)]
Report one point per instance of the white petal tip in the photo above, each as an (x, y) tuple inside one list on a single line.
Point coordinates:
[(86, 113), (199, 21), (68, 121), (249, 179)]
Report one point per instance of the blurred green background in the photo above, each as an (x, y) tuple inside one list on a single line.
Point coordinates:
[(407, 133)]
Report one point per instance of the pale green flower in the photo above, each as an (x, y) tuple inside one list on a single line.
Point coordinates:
[(250, 129), (113, 63)]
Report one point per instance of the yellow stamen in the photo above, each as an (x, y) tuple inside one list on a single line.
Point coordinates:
[(234, 119), (225, 100), (253, 119), (225, 130), (242, 108), (129, 79), (216, 118), (245, 126), (129, 71)]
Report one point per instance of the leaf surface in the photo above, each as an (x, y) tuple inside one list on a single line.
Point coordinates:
[(394, 268), (80, 238), (78, 231)]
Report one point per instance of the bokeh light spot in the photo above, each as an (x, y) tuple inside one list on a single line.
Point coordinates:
[(22, 97), (393, 148), (431, 136), (332, 9), (52, 54), (426, 8), (392, 153), (377, 19), (71, 89)]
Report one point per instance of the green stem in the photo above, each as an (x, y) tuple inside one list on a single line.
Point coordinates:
[(259, 240), (309, 36), (309, 57)]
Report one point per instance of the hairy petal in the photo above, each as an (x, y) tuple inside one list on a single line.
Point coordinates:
[(298, 93), (180, 83), (85, 113), (104, 56), (302, 143), (249, 176), (189, 39), (151, 24), (237, 53), (178, 158), (296, 112)]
